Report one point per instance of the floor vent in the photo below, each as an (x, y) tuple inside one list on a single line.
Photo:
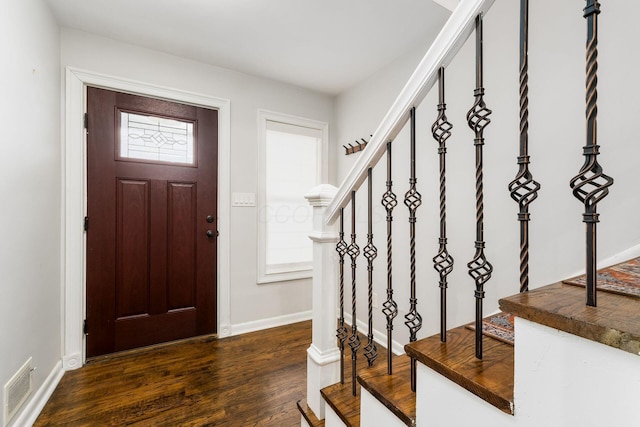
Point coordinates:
[(17, 390)]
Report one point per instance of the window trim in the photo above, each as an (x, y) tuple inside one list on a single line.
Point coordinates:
[(293, 271)]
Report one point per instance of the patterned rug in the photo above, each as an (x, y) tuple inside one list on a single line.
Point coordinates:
[(622, 278), (498, 326)]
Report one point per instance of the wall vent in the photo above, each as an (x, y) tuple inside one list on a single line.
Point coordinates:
[(17, 390)]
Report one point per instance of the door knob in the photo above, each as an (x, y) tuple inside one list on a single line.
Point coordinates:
[(209, 219), (209, 234)]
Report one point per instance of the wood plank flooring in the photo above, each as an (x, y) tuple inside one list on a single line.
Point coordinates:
[(253, 379)]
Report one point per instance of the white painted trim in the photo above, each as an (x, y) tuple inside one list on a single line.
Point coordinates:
[(72, 361), (324, 237), (321, 358), (623, 256), (264, 116), (448, 4), (451, 38), (35, 405), (258, 325), (75, 197)]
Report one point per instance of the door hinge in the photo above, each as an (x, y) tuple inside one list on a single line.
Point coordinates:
[(85, 327), (86, 121), (86, 223)]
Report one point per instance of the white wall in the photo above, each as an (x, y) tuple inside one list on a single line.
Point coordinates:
[(556, 109), (30, 189), (249, 302)]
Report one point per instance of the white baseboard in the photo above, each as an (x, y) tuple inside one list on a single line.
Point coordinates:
[(378, 336), (224, 331), (258, 325), (626, 255), (623, 256), (34, 406)]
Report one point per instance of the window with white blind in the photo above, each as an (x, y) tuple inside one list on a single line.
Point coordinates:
[(291, 164)]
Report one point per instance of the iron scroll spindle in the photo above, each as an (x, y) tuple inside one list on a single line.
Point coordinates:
[(478, 118), (370, 253), (413, 199), (341, 332), (443, 261), (389, 308), (591, 185), (353, 250), (524, 189)]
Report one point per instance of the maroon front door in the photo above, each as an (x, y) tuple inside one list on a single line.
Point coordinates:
[(152, 221)]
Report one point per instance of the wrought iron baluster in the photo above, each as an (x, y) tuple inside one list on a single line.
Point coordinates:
[(353, 250), (390, 308), (524, 189), (413, 199), (341, 332), (370, 253), (478, 118), (591, 185), (443, 261)]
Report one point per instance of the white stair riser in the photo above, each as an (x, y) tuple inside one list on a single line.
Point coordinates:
[(375, 414)]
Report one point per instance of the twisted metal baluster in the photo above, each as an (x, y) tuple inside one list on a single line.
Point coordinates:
[(341, 332), (353, 250), (390, 308), (443, 261), (478, 118), (524, 189), (591, 185), (370, 253), (413, 199)]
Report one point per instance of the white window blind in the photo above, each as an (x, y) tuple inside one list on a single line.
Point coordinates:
[(291, 167)]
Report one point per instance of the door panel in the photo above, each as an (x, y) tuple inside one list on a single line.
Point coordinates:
[(151, 268), (181, 259), (132, 250)]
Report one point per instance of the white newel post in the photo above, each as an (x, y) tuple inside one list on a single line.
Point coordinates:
[(323, 356)]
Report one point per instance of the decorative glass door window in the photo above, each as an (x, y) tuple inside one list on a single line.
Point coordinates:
[(155, 139)]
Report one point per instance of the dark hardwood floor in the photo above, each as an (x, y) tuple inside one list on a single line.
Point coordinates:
[(253, 379)]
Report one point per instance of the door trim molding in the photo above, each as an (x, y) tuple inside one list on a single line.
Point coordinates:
[(74, 203)]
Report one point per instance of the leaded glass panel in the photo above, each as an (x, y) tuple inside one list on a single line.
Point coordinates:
[(155, 139)]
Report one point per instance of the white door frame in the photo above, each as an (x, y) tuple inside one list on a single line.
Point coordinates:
[(74, 203)]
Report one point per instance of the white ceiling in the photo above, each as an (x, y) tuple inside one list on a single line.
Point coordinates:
[(325, 45)]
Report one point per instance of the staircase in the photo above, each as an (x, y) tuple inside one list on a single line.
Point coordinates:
[(573, 360)]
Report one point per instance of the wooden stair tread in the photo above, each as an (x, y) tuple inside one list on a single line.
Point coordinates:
[(491, 378), (308, 414), (614, 322), (343, 403), (393, 391), (339, 396)]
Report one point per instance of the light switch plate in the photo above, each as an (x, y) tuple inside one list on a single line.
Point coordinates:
[(243, 199)]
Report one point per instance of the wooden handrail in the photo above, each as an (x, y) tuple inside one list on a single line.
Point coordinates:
[(449, 41)]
